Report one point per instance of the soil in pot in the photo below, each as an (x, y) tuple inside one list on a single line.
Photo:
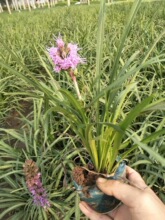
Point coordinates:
[(85, 184)]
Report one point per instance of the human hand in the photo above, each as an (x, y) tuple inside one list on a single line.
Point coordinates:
[(139, 201)]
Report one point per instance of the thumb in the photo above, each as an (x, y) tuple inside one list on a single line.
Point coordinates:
[(91, 214), (120, 190)]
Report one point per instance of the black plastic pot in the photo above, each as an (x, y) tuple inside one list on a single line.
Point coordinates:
[(99, 201)]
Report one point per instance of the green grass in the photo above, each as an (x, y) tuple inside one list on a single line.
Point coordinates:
[(45, 136)]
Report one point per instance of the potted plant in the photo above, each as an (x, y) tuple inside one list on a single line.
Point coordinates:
[(100, 138), (101, 124)]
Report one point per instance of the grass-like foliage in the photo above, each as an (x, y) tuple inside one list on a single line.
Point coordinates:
[(37, 142), (120, 114)]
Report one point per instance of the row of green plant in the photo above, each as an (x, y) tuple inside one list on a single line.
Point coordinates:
[(122, 86), (21, 40)]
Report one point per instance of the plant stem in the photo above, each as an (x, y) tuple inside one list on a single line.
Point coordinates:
[(75, 84), (77, 89)]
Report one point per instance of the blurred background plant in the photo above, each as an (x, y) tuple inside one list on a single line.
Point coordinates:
[(41, 143), (30, 129)]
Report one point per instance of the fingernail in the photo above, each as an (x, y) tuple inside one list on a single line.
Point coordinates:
[(101, 180), (81, 205)]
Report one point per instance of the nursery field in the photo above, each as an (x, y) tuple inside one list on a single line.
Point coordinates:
[(41, 118)]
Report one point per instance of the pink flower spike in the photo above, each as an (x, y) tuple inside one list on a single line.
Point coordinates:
[(34, 184), (65, 57), (57, 69)]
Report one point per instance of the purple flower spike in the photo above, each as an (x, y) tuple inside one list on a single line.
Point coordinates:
[(34, 184), (65, 57)]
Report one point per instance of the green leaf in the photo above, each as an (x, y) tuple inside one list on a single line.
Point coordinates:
[(135, 112), (99, 47), (126, 31), (148, 149), (77, 209), (76, 104), (9, 173), (13, 207), (156, 105)]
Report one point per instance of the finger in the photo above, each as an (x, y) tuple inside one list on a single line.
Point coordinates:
[(122, 212), (91, 214), (120, 190), (135, 179)]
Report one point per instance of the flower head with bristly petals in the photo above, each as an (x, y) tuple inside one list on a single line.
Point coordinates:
[(65, 57)]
